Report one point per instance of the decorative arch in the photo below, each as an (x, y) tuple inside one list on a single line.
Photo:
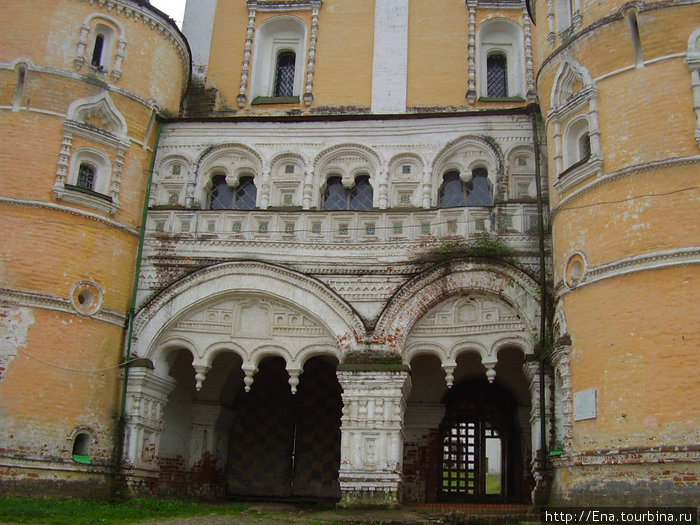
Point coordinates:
[(427, 290), (504, 37), (208, 285), (100, 111), (112, 48), (231, 160), (574, 97), (464, 155)]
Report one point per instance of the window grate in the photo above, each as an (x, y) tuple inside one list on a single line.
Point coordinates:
[(246, 194), (86, 176), (284, 81), (479, 189), (496, 77), (361, 196), (221, 197)]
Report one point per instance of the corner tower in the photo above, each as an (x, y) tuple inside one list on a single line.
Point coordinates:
[(617, 83), (81, 84)]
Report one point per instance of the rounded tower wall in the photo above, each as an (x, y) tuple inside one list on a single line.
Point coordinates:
[(616, 91)]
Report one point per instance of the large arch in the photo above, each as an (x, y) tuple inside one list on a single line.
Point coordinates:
[(216, 336), (419, 295)]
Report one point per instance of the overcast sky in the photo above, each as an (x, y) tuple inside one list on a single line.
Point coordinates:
[(173, 8)]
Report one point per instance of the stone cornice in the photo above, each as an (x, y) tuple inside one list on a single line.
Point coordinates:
[(72, 211), (615, 175), (629, 265), (631, 456), (43, 301)]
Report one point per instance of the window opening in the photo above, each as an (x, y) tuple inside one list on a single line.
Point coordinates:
[(81, 448), (87, 174), (284, 74), (479, 189), (221, 196), (496, 76), (584, 146), (334, 197), (97, 51), (19, 88), (452, 191), (636, 39), (361, 196), (245, 194)]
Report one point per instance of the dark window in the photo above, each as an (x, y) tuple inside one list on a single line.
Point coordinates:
[(81, 448), (97, 51), (284, 74), (479, 189), (361, 196), (584, 146), (245, 194), (496, 76), (335, 197), (221, 196), (452, 191), (87, 174)]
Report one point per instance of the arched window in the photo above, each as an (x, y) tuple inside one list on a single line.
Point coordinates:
[(578, 142), (97, 51), (334, 197), (221, 195), (87, 175), (497, 76), (479, 189), (359, 197), (246, 194), (81, 448), (284, 74), (452, 191)]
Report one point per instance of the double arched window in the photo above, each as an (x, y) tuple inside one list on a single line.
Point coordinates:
[(454, 192), (338, 197), (223, 197)]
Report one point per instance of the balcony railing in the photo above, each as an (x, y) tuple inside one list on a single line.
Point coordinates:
[(378, 226)]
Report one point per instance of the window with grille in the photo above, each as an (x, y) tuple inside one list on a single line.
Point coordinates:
[(221, 196), (479, 189), (359, 197), (246, 194), (497, 76), (284, 74), (87, 173), (452, 191)]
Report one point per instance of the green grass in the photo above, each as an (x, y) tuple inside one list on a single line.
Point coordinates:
[(75, 512)]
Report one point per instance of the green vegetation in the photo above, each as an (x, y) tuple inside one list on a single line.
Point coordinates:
[(484, 245), (75, 512)]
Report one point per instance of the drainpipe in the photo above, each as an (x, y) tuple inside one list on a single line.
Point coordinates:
[(535, 114), (121, 426)]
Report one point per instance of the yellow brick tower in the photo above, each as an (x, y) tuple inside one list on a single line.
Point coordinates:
[(619, 88), (81, 83)]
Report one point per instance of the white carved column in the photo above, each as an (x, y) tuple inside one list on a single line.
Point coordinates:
[(539, 474), (564, 399), (374, 402), (146, 397), (471, 90)]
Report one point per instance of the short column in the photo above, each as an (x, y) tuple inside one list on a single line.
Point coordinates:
[(374, 402)]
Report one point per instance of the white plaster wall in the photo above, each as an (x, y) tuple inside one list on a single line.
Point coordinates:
[(198, 26), (390, 59)]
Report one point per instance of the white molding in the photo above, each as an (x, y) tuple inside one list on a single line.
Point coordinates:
[(629, 265), (84, 214), (41, 301)]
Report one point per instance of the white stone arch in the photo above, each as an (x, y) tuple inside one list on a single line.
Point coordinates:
[(424, 348), (465, 154), (521, 172), (418, 296), (161, 355), (514, 341), (469, 346), (231, 160), (155, 319), (501, 36), (214, 350), (273, 36), (102, 107), (347, 160)]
